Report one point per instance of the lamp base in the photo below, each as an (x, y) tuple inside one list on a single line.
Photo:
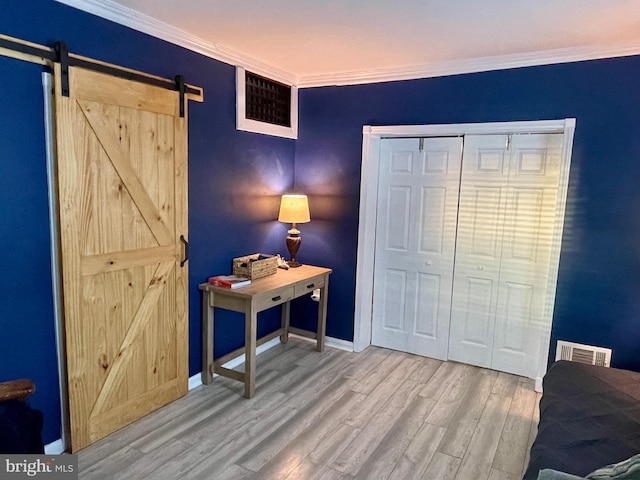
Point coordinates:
[(293, 244)]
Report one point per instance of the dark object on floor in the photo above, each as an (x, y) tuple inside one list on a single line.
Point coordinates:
[(20, 425), (589, 418)]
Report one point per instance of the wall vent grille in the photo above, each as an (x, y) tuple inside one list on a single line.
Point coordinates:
[(267, 100), (577, 352)]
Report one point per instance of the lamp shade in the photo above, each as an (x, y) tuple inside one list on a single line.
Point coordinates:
[(294, 209)]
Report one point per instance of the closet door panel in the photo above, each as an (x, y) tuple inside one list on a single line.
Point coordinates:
[(427, 300), (478, 318), (482, 234), (485, 169), (398, 210), (528, 240), (417, 210), (433, 213), (395, 294)]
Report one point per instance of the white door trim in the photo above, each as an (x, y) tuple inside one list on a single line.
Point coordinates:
[(371, 136)]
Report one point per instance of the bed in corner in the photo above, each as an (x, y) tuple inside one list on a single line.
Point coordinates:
[(589, 418)]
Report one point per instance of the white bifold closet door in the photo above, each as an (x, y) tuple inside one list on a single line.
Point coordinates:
[(508, 195), (415, 244), (463, 247)]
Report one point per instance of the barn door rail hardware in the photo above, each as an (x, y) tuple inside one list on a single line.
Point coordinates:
[(62, 52), (43, 55), (29, 51), (67, 61)]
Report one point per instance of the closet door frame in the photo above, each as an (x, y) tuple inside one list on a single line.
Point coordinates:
[(371, 138)]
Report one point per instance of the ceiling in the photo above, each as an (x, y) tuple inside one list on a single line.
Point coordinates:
[(340, 41)]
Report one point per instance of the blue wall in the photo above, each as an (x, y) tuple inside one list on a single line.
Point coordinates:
[(27, 346), (598, 295), (235, 180)]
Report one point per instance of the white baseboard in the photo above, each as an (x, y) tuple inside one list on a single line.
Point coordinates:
[(538, 385), (195, 381), (339, 344), (54, 448), (329, 342)]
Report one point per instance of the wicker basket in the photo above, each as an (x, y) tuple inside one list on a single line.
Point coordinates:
[(255, 266)]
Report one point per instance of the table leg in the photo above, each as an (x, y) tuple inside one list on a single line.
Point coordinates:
[(284, 321), (207, 337), (251, 326), (322, 315)]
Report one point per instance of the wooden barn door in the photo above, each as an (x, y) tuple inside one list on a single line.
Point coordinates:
[(122, 172)]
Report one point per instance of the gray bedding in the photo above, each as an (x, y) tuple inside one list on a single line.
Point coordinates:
[(589, 417)]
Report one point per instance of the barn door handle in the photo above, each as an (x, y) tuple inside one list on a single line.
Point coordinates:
[(185, 245)]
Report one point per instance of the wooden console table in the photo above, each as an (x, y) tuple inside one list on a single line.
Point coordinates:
[(263, 293)]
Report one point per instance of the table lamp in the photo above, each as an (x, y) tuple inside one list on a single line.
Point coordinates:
[(294, 209)]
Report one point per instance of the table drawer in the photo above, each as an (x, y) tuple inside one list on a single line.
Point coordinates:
[(308, 286), (272, 298)]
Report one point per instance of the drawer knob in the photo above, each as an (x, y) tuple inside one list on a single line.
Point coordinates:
[(311, 285), (275, 299)]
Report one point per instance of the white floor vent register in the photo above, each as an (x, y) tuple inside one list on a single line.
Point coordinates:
[(576, 352)]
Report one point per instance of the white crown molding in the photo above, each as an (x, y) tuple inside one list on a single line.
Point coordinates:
[(472, 65), (115, 12), (122, 15)]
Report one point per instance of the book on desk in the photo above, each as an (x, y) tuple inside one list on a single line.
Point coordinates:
[(229, 281)]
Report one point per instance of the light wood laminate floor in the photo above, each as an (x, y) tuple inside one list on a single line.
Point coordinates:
[(378, 414)]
